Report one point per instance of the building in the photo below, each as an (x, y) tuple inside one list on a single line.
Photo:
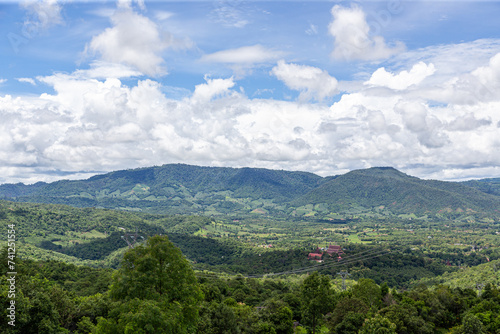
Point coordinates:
[(334, 249), (315, 256)]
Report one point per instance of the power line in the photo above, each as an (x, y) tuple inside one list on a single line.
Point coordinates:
[(370, 254)]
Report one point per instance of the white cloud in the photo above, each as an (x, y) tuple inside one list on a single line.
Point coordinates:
[(403, 79), (312, 30), (96, 123), (3, 81), (352, 36), (467, 122), (42, 14), (27, 80), (244, 55), (162, 15), (136, 41), (127, 4), (312, 82), (231, 13), (212, 89), (103, 70)]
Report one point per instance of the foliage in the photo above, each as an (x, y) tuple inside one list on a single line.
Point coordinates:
[(185, 189), (154, 282), (316, 296), (378, 325)]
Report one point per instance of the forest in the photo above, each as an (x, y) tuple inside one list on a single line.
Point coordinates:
[(232, 254), (156, 290)]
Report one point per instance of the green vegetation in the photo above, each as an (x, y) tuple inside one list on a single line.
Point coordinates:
[(417, 256), (147, 296), (185, 189)]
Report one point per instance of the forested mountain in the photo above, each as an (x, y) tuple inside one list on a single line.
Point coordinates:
[(174, 188), (489, 186), (398, 192), (185, 189)]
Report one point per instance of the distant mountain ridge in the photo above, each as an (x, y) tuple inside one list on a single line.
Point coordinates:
[(392, 189), (180, 188)]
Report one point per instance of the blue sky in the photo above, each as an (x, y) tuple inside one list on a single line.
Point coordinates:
[(321, 86)]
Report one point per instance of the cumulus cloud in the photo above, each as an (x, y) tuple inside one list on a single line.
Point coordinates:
[(127, 4), (479, 85), (134, 40), (352, 36), (467, 122), (312, 82), (91, 123), (212, 89), (403, 79), (417, 120)]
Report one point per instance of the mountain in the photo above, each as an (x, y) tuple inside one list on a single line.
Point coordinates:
[(180, 188), (489, 186), (398, 192), (173, 188)]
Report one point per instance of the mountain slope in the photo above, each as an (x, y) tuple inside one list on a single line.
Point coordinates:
[(175, 188), (385, 186), (488, 186), (179, 188)]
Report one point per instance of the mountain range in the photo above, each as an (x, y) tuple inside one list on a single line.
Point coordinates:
[(180, 188)]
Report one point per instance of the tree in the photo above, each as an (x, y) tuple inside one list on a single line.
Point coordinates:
[(406, 319), (155, 277), (472, 325), (352, 306), (218, 319), (368, 291), (316, 295), (276, 313), (378, 325)]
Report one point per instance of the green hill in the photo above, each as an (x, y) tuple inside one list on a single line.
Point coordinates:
[(185, 189), (489, 186), (398, 192), (175, 188)]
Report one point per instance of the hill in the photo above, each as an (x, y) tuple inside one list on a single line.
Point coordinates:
[(389, 188), (174, 188), (186, 189), (489, 186)]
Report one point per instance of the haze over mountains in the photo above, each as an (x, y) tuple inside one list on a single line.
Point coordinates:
[(179, 188)]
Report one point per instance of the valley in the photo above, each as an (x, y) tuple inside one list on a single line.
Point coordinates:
[(259, 227)]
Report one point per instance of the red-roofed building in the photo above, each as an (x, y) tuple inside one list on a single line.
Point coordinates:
[(315, 256), (334, 249)]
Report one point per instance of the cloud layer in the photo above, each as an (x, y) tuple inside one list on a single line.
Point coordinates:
[(432, 112), (93, 124)]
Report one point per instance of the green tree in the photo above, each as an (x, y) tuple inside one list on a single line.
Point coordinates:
[(378, 325), (406, 319), (316, 295), (472, 325), (157, 278), (368, 291), (351, 306), (278, 315)]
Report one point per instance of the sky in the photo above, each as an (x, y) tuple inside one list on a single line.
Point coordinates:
[(88, 87)]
